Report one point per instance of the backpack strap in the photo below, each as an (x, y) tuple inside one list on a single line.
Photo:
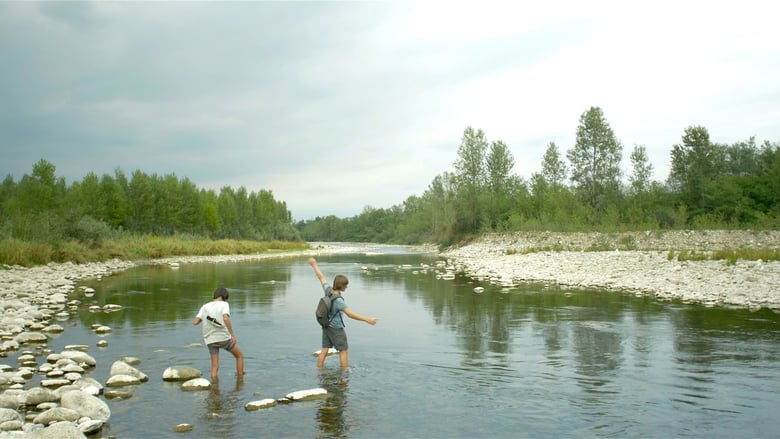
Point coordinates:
[(333, 297)]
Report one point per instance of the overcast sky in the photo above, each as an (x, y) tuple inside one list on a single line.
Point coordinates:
[(334, 106)]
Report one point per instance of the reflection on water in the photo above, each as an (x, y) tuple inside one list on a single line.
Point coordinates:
[(443, 361), (221, 408), (330, 414)]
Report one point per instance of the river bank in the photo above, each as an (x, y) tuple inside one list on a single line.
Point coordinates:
[(636, 262)]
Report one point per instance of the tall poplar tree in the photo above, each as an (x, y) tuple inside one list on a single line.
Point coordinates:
[(595, 160), (553, 166), (500, 184), (470, 174)]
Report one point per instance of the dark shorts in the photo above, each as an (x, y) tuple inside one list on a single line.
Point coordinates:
[(227, 345), (334, 338)]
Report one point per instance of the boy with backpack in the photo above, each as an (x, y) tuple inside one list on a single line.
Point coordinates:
[(334, 335)]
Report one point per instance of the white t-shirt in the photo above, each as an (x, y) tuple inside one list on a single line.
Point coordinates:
[(214, 329)]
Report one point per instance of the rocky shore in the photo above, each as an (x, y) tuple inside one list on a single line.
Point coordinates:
[(68, 405), (636, 262)]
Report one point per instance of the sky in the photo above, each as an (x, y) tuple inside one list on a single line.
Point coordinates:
[(338, 106)]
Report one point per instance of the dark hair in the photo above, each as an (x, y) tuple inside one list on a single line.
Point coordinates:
[(221, 292), (340, 282)]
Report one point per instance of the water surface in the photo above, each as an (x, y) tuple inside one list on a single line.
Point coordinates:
[(443, 361)]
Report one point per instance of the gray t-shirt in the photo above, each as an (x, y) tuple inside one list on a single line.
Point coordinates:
[(337, 306), (214, 329)]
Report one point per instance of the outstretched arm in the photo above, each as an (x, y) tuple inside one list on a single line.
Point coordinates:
[(356, 316), (317, 272)]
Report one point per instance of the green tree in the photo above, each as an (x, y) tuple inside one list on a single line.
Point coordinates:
[(113, 192), (595, 161), (694, 166), (470, 174), (640, 186), (228, 213), (142, 202), (190, 217), (553, 166), (501, 184), (211, 219), (39, 202), (641, 171)]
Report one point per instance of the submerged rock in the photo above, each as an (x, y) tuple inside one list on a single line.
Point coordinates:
[(183, 428)]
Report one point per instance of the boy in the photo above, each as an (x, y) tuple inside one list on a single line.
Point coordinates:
[(335, 335), (218, 331)]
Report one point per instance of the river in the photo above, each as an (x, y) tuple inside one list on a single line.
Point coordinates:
[(443, 360)]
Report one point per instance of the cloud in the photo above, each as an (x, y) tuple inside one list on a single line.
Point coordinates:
[(334, 106)]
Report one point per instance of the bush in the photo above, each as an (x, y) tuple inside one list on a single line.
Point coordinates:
[(89, 231)]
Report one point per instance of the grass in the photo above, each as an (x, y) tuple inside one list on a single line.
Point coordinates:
[(729, 255), (17, 252)]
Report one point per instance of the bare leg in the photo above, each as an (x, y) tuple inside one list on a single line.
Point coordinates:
[(344, 358), (214, 366), (321, 357), (239, 360)]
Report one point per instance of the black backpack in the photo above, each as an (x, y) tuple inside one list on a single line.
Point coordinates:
[(323, 309)]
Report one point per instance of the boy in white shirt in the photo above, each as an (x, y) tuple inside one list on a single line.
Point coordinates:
[(218, 331)]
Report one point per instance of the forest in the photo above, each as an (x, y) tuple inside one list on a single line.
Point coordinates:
[(709, 186)]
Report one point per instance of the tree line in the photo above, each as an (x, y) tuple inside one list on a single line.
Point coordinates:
[(41, 207), (710, 185)]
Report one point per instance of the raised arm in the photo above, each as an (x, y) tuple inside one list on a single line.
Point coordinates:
[(317, 272)]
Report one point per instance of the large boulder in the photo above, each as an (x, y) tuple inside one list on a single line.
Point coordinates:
[(86, 405)]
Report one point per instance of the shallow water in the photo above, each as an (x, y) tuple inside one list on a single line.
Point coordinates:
[(443, 361)]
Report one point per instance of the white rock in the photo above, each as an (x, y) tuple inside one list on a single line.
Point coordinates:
[(196, 384), (122, 380), (180, 373), (261, 404), (86, 405), (306, 394)]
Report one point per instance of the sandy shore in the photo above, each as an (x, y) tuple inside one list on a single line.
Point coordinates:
[(636, 263)]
